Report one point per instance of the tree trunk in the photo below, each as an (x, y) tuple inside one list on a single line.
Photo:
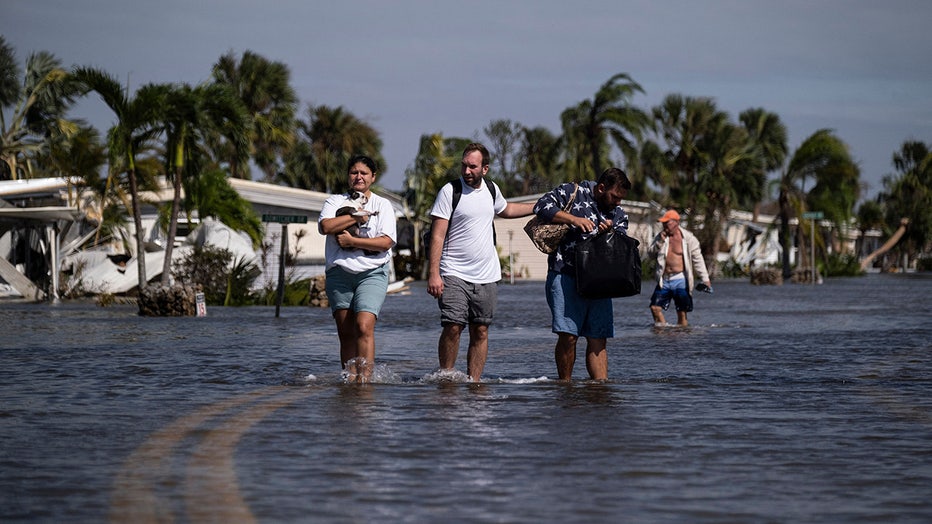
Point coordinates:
[(137, 221), (172, 228), (887, 246), (785, 239)]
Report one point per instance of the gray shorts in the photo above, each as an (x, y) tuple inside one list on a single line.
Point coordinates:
[(467, 303)]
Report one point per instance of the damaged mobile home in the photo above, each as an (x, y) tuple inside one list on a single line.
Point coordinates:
[(46, 226)]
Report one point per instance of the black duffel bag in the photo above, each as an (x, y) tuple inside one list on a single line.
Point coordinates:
[(608, 265)]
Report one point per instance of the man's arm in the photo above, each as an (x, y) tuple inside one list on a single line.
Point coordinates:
[(513, 210), (695, 253), (656, 244), (550, 203), (438, 233), (562, 217)]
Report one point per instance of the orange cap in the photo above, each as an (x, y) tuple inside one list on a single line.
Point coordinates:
[(669, 215)]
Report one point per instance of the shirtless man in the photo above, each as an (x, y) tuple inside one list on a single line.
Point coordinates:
[(678, 255)]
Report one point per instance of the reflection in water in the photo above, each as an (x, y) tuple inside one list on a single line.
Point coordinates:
[(759, 404), (589, 393)]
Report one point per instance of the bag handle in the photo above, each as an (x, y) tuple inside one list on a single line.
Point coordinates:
[(569, 204)]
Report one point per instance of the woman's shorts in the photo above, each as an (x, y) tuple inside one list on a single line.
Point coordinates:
[(357, 291)]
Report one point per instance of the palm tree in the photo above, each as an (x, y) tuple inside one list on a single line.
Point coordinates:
[(710, 164), (650, 167), (870, 215), (731, 176), (78, 158), (768, 135), (683, 123), (300, 169), (265, 90), (537, 160), (189, 117), (588, 126), (37, 108), (822, 157), (908, 195), (577, 154), (213, 196), (9, 76), (136, 125), (335, 135)]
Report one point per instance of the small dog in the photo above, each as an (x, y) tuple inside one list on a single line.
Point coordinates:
[(355, 206)]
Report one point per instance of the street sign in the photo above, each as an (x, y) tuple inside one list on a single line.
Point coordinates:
[(813, 216), (285, 219)]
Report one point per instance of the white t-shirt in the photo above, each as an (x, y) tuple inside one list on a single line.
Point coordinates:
[(356, 260), (469, 250)]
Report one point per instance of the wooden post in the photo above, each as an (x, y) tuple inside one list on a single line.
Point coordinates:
[(281, 269), (813, 216), (812, 247)]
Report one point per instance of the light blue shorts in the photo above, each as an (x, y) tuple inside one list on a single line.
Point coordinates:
[(357, 291), (574, 314)]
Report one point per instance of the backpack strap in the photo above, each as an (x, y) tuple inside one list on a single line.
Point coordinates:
[(457, 194), (494, 196)]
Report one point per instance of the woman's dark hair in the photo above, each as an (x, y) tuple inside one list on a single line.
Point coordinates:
[(363, 159)]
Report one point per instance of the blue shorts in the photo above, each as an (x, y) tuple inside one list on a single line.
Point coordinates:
[(466, 303), (675, 290), (574, 314), (357, 291)]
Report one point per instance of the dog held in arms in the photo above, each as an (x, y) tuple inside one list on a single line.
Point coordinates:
[(355, 205)]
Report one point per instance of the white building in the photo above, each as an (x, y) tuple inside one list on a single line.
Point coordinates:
[(46, 218)]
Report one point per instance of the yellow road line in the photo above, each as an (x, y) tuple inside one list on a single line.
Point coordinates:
[(135, 495), (211, 489)]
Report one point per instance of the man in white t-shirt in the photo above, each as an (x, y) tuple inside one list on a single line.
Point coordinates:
[(464, 269)]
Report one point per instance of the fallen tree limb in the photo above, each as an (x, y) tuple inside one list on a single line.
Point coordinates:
[(887, 246)]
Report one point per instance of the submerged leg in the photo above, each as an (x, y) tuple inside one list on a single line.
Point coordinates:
[(597, 358), (565, 355), (449, 345), (681, 319), (365, 344), (346, 331), (478, 351), (657, 312)]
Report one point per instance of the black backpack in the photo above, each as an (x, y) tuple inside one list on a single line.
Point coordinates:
[(457, 194)]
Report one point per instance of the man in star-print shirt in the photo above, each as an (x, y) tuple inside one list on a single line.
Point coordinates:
[(596, 207)]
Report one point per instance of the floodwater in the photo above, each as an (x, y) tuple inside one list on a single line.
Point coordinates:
[(792, 403)]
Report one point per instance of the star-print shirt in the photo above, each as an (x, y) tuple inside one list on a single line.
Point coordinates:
[(584, 205)]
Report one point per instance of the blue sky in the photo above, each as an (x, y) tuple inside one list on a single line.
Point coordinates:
[(859, 67)]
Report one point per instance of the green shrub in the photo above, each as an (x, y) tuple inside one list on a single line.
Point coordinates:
[(224, 282), (732, 269), (924, 263), (840, 265), (647, 269), (297, 293)]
